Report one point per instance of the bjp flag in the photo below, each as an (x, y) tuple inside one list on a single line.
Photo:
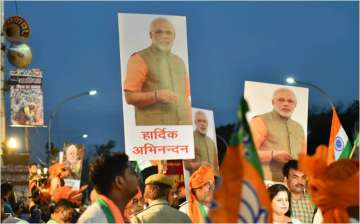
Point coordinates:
[(242, 195)]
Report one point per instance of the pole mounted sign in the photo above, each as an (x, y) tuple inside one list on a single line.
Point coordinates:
[(26, 97)]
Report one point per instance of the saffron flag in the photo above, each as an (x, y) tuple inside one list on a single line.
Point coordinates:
[(339, 144), (242, 196)]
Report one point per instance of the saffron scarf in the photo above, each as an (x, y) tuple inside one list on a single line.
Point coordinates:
[(111, 211)]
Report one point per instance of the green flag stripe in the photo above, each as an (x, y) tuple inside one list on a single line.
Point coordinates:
[(104, 206), (137, 167), (243, 136), (253, 156), (234, 140), (345, 154)]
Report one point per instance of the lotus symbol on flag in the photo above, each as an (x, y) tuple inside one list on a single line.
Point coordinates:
[(250, 210)]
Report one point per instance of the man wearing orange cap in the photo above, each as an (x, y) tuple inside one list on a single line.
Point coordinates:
[(202, 183)]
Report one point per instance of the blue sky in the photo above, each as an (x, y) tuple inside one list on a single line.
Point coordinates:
[(76, 43)]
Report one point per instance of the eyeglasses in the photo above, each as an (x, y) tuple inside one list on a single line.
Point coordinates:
[(209, 185), (159, 32), (282, 100)]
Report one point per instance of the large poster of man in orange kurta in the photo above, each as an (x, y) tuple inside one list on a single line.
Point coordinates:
[(278, 121), (155, 86)]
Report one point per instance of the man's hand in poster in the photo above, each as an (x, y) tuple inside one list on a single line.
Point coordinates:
[(166, 96)]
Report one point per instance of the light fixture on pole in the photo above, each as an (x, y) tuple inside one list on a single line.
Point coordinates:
[(85, 136), (12, 143), (92, 92), (291, 80), (57, 108)]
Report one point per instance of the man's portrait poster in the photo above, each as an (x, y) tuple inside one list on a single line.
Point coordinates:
[(73, 159), (205, 144), (155, 86), (278, 122)]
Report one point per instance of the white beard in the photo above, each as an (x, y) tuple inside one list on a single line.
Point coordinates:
[(164, 47)]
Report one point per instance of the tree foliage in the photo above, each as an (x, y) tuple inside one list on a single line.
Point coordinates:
[(105, 148)]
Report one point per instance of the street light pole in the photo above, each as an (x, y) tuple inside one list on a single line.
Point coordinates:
[(2, 84), (292, 80), (57, 108)]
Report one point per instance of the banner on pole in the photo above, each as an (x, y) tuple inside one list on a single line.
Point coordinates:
[(26, 98)]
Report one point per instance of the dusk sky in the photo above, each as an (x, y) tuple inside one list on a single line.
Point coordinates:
[(77, 45)]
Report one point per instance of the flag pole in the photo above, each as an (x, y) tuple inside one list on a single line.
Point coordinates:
[(356, 144), (352, 151)]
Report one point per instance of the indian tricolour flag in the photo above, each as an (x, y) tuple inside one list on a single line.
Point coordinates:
[(339, 144)]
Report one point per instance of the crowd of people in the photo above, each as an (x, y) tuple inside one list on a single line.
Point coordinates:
[(306, 195), (301, 188)]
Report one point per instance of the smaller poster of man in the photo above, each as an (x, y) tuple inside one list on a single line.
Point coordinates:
[(73, 159), (204, 141), (205, 145)]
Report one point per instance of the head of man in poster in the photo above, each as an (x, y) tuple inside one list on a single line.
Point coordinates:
[(284, 102), (277, 137), (156, 80), (73, 161), (201, 122), (205, 147), (162, 34)]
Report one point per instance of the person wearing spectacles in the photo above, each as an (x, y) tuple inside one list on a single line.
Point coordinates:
[(202, 185), (277, 137), (156, 81)]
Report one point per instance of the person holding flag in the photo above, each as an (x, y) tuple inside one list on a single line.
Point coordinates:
[(242, 196)]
